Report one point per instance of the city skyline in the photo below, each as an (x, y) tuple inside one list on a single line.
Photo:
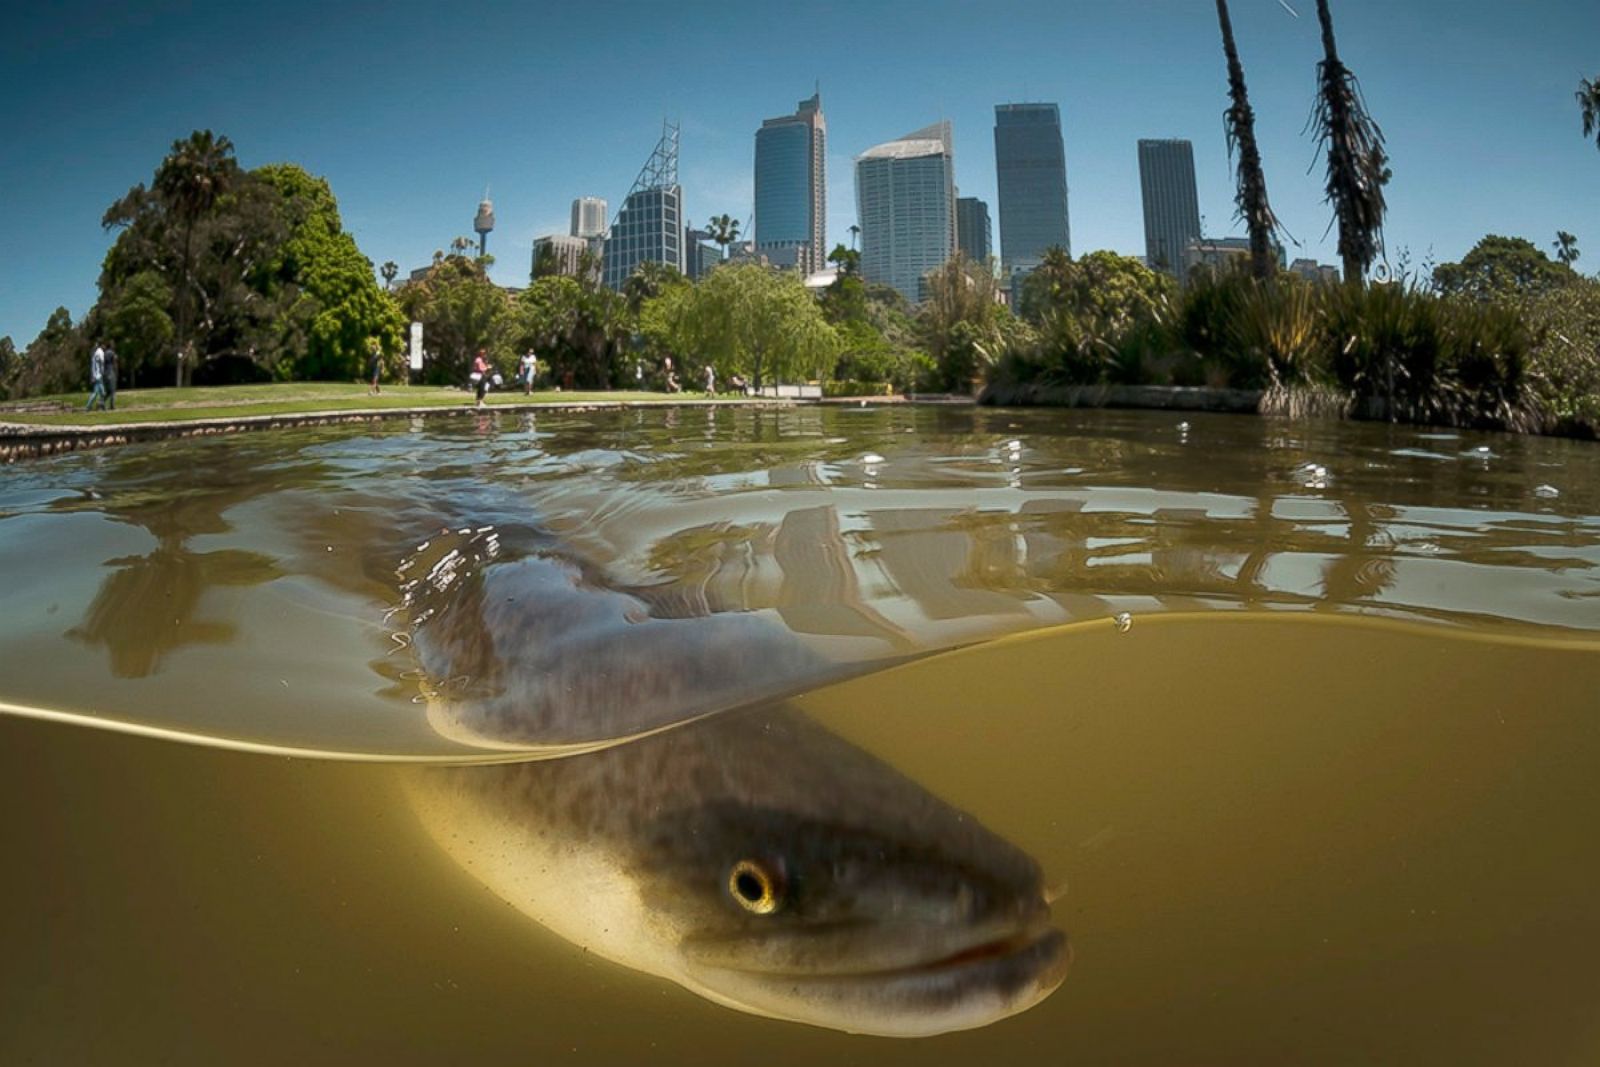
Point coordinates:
[(1481, 125)]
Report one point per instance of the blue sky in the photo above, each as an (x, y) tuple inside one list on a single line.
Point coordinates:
[(410, 109)]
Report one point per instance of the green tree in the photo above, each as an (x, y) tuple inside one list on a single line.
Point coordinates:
[(845, 300), (56, 361), (1589, 106), (1566, 247), (577, 326), (195, 175), (1091, 313), (959, 321), (1357, 164), (748, 320), (1564, 368), (648, 281), (848, 260), (545, 263), (1501, 267), (8, 365), (211, 232), (1048, 285), (724, 230), (331, 282), (390, 270), (461, 311), (1240, 121), (138, 321)]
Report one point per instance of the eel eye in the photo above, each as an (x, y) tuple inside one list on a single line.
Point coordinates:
[(755, 887)]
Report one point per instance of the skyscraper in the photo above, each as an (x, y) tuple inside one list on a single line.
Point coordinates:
[(649, 228), (558, 253), (906, 204), (1171, 206), (589, 217), (974, 236), (791, 184), (1031, 172), (699, 254)]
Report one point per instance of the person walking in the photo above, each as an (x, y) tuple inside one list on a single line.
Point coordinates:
[(109, 376), (711, 380), (374, 366), (529, 370), (480, 374), (97, 378)]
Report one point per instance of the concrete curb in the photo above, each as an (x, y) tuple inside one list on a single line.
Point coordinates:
[(27, 441)]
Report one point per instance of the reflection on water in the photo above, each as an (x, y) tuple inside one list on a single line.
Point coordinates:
[(1268, 851), (146, 608)]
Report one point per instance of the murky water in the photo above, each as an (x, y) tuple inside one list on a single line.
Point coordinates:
[(1297, 725)]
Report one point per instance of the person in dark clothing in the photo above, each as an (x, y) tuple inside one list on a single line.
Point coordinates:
[(110, 373)]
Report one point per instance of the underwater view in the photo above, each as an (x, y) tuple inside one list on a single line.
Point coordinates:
[(856, 733)]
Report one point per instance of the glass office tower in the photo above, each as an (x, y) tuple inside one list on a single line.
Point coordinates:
[(1031, 172), (649, 228), (905, 203), (791, 185), (1171, 204)]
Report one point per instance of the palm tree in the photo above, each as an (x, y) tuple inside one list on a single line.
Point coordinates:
[(193, 177), (1357, 164), (1589, 101), (1240, 122), (855, 231), (724, 230), (1566, 247), (389, 270)]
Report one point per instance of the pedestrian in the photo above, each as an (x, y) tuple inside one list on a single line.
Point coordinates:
[(97, 378), (480, 374), (530, 368), (374, 366), (711, 380), (109, 376)]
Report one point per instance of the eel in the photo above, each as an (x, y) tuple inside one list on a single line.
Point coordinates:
[(717, 837)]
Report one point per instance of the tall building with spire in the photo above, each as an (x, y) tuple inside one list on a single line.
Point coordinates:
[(649, 228), (906, 205), (1171, 204), (1031, 172), (792, 186)]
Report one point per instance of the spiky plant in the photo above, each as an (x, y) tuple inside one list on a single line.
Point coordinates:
[(1358, 166), (1589, 104)]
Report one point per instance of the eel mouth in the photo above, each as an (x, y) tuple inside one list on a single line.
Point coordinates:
[(969, 987), (1023, 944)]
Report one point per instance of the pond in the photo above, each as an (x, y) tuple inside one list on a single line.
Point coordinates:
[(688, 735)]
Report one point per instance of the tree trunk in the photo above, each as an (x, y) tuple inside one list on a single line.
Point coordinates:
[(182, 338), (1252, 194), (1339, 147), (1357, 162)]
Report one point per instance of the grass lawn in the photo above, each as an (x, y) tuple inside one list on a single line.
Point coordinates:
[(289, 398)]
